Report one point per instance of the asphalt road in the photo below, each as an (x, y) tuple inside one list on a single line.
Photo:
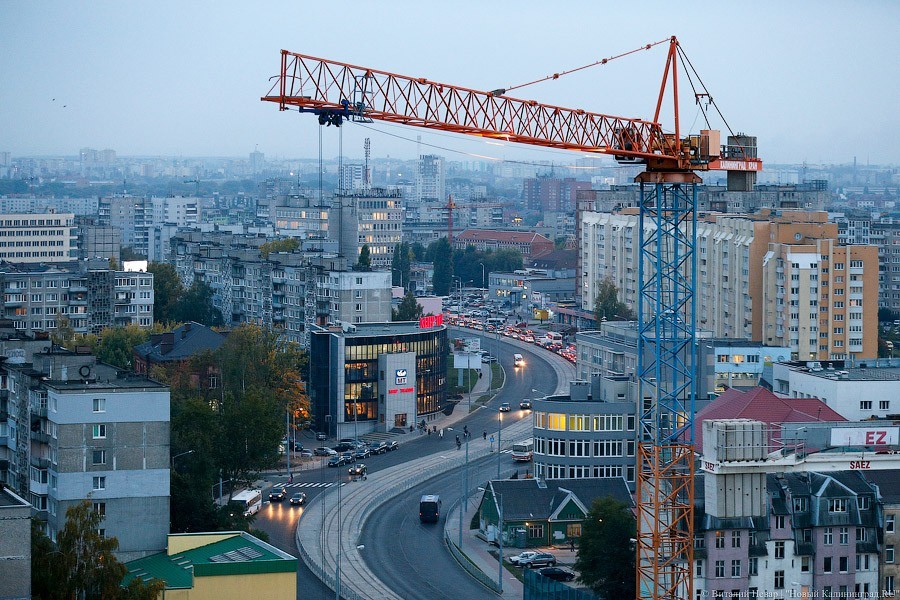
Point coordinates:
[(279, 520), (410, 557)]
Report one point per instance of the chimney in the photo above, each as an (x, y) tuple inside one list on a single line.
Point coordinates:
[(168, 341)]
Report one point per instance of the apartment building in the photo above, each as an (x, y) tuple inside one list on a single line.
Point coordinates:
[(888, 485), (431, 178), (885, 233), (47, 237), (371, 217), (15, 545), (777, 277), (79, 429), (88, 294)]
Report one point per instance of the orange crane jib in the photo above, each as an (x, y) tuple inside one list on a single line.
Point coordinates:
[(336, 91)]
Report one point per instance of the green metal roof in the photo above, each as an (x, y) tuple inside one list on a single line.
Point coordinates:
[(237, 555)]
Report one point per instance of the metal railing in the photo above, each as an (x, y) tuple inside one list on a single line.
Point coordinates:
[(464, 560)]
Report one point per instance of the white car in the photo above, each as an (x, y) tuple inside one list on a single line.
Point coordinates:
[(522, 558)]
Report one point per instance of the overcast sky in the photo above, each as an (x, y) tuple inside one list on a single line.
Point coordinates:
[(815, 81)]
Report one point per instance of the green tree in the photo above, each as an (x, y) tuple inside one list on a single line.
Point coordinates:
[(365, 259), (439, 251), (606, 558), (82, 564), (283, 245), (408, 310), (607, 305), (196, 304), (115, 345), (401, 264), (167, 290), (418, 251), (64, 334)]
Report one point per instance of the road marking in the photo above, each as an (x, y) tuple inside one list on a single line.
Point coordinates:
[(309, 484)]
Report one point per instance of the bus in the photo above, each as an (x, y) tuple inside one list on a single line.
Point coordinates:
[(497, 321), (429, 508), (247, 501), (523, 451), (553, 337), (519, 360)]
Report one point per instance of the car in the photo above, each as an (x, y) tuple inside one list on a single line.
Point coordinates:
[(380, 448), (557, 573), (392, 445), (298, 499), (277, 494), (348, 457), (336, 461), (488, 359), (362, 452), (306, 452), (525, 404), (518, 558), (343, 447), (298, 447), (504, 407), (323, 451), (346, 441), (540, 559), (321, 436), (358, 470)]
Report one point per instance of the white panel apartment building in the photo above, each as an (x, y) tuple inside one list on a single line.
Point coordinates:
[(776, 277), (38, 237)]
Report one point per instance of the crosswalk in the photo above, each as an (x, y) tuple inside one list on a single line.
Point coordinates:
[(310, 484)]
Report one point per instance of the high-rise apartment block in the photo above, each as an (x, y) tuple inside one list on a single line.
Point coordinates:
[(38, 237), (76, 429), (375, 218), (90, 295), (777, 277), (430, 178)]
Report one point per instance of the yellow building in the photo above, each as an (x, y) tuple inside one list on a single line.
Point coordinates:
[(218, 566)]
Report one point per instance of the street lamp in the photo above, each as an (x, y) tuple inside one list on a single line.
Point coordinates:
[(177, 455), (483, 276)]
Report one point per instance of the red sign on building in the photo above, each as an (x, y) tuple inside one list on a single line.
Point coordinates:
[(431, 321)]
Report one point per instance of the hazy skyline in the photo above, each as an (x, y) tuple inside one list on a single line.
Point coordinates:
[(813, 81)]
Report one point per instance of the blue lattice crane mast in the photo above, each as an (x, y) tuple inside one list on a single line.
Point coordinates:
[(336, 92)]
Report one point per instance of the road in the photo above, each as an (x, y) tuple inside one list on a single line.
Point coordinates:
[(411, 557), (279, 520)]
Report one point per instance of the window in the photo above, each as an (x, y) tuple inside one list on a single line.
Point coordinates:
[(779, 522), (837, 505), (889, 523), (864, 405), (779, 580), (805, 564), (720, 539), (99, 483), (800, 504), (889, 554), (100, 508), (99, 432), (698, 568), (735, 568), (844, 564), (844, 536), (889, 584), (99, 405), (861, 535), (828, 536), (779, 549), (720, 569), (99, 457), (754, 566), (536, 530), (884, 405)]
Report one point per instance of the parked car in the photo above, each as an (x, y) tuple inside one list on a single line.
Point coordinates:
[(348, 457), (298, 499), (306, 452), (362, 452), (358, 470), (504, 407), (380, 448), (321, 436), (393, 445), (277, 494), (539, 560), (522, 556), (557, 573), (525, 404), (323, 451), (336, 461), (343, 447)]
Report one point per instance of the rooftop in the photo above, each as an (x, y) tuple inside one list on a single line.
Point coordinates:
[(9, 498), (518, 237)]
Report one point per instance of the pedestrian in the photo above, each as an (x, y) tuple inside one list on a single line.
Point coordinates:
[(571, 545), (458, 443), (428, 430), (442, 433), (484, 435)]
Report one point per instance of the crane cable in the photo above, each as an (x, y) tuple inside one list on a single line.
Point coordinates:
[(603, 61), (688, 69)]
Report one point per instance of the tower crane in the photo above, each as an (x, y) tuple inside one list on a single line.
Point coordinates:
[(335, 91)]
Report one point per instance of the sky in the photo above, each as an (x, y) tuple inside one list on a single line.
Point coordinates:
[(816, 82)]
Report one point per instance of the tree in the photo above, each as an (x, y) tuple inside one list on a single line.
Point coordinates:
[(409, 309), (167, 290), (64, 334), (365, 259), (282, 245), (82, 564), (115, 345), (607, 306), (401, 264), (606, 551), (418, 251), (439, 251), (196, 304)]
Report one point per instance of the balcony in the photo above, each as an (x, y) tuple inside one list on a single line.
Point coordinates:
[(39, 410), (78, 288), (40, 437), (40, 463)]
